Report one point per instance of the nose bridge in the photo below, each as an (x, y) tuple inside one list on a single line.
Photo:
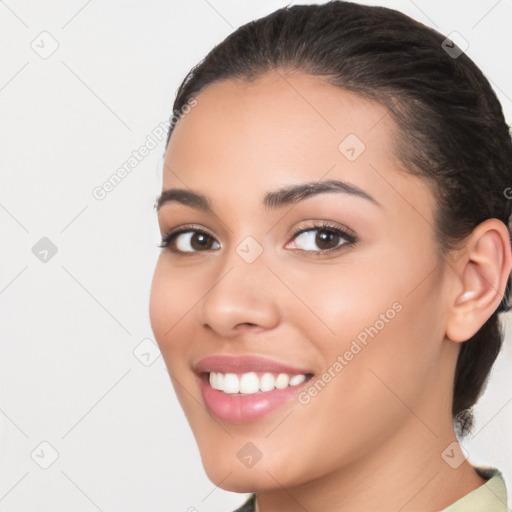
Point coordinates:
[(242, 292)]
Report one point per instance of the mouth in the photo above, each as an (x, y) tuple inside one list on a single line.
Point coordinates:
[(244, 389)]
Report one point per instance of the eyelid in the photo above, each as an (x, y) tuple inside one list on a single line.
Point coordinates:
[(183, 228), (319, 224)]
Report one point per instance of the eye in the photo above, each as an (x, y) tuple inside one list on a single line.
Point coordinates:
[(188, 240), (322, 239)]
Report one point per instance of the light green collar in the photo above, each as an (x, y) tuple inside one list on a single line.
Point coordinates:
[(489, 497)]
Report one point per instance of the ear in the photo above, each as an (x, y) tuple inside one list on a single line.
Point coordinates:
[(481, 275)]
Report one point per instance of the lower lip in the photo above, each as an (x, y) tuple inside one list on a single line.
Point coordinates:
[(237, 408)]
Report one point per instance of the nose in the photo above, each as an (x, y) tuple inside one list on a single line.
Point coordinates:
[(242, 297)]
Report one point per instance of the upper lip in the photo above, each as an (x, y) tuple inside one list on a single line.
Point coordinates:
[(245, 364)]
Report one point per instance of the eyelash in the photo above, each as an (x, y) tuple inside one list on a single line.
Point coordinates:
[(350, 239)]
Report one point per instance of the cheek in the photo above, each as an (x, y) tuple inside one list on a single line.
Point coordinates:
[(170, 303), (381, 357), (378, 328), (336, 301), (159, 303), (172, 300)]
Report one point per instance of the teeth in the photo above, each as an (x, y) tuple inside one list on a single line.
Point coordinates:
[(250, 383), (231, 383), (297, 379), (282, 381), (217, 380), (267, 382)]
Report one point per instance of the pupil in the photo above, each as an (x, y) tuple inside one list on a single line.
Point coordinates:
[(324, 239)]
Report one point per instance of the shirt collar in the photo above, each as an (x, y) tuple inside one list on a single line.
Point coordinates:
[(489, 497)]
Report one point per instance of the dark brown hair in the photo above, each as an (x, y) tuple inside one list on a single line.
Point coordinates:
[(451, 129)]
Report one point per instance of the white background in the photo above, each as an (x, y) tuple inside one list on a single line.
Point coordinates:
[(69, 326)]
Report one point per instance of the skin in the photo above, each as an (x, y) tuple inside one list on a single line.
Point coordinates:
[(372, 439)]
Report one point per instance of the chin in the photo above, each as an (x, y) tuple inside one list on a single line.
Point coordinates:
[(230, 474), (241, 480)]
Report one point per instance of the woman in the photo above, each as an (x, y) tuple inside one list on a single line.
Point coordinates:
[(336, 250)]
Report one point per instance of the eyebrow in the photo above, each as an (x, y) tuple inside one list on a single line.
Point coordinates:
[(272, 200)]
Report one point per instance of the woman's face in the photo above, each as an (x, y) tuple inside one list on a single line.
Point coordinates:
[(365, 316)]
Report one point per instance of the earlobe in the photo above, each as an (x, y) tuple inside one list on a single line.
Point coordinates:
[(481, 276)]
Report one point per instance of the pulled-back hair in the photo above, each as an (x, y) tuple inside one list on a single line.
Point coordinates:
[(451, 128)]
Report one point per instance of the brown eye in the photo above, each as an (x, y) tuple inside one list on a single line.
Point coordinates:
[(189, 241), (321, 239)]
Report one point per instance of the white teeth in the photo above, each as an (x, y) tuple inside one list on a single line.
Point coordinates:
[(231, 383), (282, 381), (217, 380), (267, 382), (297, 379), (250, 383)]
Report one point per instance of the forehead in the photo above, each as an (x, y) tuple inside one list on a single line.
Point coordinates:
[(290, 115), (250, 137)]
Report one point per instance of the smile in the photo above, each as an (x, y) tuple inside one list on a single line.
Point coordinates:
[(244, 389)]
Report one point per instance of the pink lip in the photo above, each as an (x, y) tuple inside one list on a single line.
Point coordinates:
[(238, 408), (244, 364)]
